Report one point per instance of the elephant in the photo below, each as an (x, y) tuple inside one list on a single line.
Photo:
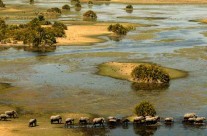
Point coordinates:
[(169, 120), (99, 121), (11, 114), (200, 120), (32, 122), (83, 120), (189, 115), (125, 121), (3, 117), (69, 121), (191, 120), (112, 120), (56, 118), (139, 120), (152, 120)]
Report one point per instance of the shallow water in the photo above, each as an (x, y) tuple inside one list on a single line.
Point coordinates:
[(66, 80)]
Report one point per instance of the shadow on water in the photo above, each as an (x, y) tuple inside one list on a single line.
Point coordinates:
[(142, 86), (145, 130), (92, 131)]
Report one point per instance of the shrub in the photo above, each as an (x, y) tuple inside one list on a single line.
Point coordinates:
[(129, 7), (2, 5), (31, 1), (150, 74), (78, 5), (55, 10), (90, 2), (59, 25), (145, 109), (118, 29), (66, 7), (90, 14), (75, 1)]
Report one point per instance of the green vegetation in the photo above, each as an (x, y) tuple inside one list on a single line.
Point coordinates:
[(55, 10), (31, 1), (129, 7), (145, 109), (33, 33), (78, 5), (2, 5), (90, 15), (66, 7), (75, 1), (90, 2), (150, 74), (120, 29)]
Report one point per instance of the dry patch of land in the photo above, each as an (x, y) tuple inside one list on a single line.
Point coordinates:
[(86, 34), (123, 70)]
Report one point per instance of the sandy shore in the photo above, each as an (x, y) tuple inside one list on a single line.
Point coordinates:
[(86, 34), (83, 34), (123, 70)]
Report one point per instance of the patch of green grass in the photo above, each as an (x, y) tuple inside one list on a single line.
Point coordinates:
[(169, 40)]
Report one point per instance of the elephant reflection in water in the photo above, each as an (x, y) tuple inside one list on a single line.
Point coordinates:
[(145, 130)]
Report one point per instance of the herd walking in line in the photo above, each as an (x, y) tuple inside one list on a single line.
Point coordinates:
[(190, 118)]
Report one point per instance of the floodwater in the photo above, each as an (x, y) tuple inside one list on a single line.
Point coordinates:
[(66, 80)]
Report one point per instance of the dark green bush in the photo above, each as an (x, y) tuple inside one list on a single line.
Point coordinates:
[(31, 1), (78, 5), (145, 109), (129, 7), (90, 14), (2, 5), (66, 7), (55, 10), (118, 29), (150, 74), (90, 2)]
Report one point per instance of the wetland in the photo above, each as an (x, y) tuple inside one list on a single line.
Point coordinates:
[(67, 81)]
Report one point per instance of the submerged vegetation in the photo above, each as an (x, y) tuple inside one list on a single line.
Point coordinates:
[(150, 74), (145, 108), (120, 29)]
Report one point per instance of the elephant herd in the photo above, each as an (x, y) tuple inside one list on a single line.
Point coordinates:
[(8, 114), (190, 118)]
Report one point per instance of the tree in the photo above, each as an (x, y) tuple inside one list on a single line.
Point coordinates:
[(145, 109), (31, 1), (150, 74), (3, 28), (66, 7), (90, 14), (2, 5)]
